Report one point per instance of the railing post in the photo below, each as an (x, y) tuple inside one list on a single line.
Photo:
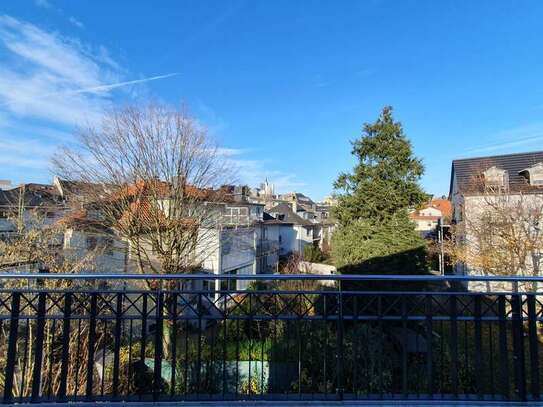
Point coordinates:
[(404, 345), (38, 348), (65, 346), (534, 347), (518, 346), (504, 353), (157, 377), (92, 340), (143, 344), (117, 344), (340, 343), (478, 347), (12, 347), (453, 341), (429, 355)]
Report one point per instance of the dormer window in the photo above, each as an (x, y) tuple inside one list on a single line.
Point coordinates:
[(534, 174), (496, 177)]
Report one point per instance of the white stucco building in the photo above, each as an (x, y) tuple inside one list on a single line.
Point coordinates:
[(487, 190)]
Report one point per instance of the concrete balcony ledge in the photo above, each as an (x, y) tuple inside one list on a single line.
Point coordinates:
[(261, 403)]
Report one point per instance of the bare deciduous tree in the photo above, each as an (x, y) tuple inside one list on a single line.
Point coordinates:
[(38, 244), (151, 174), (500, 231)]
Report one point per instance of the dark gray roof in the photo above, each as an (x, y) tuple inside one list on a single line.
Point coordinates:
[(467, 169), (34, 195), (289, 215), (270, 220)]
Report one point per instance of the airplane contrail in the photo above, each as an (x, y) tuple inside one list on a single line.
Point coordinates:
[(100, 88)]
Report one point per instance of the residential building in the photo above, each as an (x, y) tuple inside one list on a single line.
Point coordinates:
[(296, 231), (497, 207), (429, 216), (240, 241), (28, 201)]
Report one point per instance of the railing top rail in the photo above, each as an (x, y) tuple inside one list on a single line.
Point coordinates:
[(273, 277)]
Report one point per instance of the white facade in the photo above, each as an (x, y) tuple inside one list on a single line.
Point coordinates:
[(497, 208), (293, 238), (111, 253)]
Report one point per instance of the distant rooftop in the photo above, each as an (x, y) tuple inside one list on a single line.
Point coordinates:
[(466, 169)]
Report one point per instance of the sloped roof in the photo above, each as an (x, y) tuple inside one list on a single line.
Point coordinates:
[(290, 216), (466, 169), (34, 195), (267, 219), (444, 205)]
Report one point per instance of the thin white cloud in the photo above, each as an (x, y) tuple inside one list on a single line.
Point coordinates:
[(48, 84), (58, 79), (254, 172), (76, 22), (26, 153), (49, 6), (230, 152), (43, 3), (530, 136)]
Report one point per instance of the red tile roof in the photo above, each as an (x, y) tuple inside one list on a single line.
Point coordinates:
[(444, 205)]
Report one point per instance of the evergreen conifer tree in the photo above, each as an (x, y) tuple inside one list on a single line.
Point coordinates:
[(375, 234)]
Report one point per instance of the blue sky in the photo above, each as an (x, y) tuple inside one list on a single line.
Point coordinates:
[(285, 85)]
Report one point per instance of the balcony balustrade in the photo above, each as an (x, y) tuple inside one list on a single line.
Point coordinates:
[(67, 338)]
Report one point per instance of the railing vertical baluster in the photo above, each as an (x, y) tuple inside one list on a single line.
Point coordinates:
[(130, 381), (534, 345), (199, 345), (224, 349), (237, 356), (92, 339), (380, 344), (173, 307), (38, 348), (429, 340), (404, 345), (117, 344), (504, 353), (518, 346), (188, 379), (454, 345), (27, 345), (65, 346), (339, 345), (143, 344), (325, 353), (299, 342), (12, 347), (355, 346), (157, 373), (478, 347)]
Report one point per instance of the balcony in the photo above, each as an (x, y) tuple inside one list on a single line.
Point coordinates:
[(68, 338)]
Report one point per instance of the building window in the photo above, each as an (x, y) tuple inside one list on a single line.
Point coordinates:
[(236, 215), (534, 174), (496, 177), (92, 242)]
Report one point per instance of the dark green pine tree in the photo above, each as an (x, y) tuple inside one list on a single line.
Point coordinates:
[(375, 233)]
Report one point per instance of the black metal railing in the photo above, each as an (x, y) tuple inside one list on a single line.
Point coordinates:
[(165, 338)]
